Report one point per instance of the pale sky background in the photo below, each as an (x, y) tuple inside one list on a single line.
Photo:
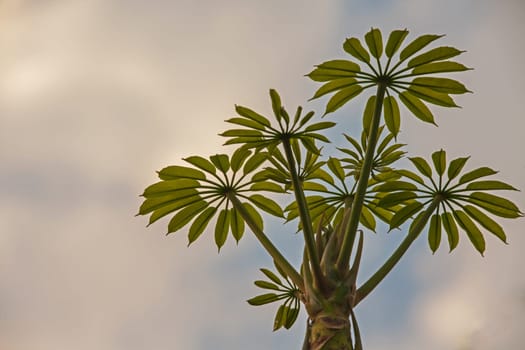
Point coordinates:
[(95, 95)]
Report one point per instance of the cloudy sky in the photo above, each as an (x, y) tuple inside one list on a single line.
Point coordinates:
[(95, 95)]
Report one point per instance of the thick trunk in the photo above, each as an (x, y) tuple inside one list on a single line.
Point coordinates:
[(329, 332)]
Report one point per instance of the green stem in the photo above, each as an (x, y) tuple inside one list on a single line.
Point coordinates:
[(343, 259), (279, 259), (381, 273), (304, 214)]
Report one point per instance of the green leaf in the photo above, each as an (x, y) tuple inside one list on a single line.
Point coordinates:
[(254, 162), (185, 215), (440, 161), (367, 120), (333, 70), (341, 97), (335, 166), (322, 175), (354, 155), (340, 65), (437, 54), (392, 115), (309, 137), (388, 138), (248, 113), (239, 157), (394, 42), (416, 45), (489, 185), (222, 227), (411, 175), (314, 186), (164, 188), (367, 219), (276, 103), (476, 174), (242, 133), (473, 232), (393, 199), (306, 118), (271, 276), (246, 122), (201, 163), (405, 213), (439, 67), (174, 172), (391, 186), (266, 204), (291, 316), (323, 75), (334, 85), (391, 158), (199, 224), (353, 47), (284, 114), (494, 204), (266, 285), (309, 143), (444, 85), (249, 142), (263, 299), (421, 165), (157, 202), (486, 222), (434, 232), (266, 186), (319, 126), (221, 161), (451, 228), (383, 214), (455, 167), (237, 224), (434, 97), (374, 42), (418, 108), (166, 206), (280, 317)]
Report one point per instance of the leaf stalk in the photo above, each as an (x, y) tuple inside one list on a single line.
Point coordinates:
[(304, 215), (343, 259), (389, 264), (266, 243)]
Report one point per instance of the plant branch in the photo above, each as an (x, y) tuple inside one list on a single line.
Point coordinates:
[(304, 214), (343, 259), (267, 244), (383, 271)]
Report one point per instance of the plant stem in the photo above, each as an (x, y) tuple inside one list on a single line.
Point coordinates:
[(343, 259), (304, 214), (279, 259), (381, 273)]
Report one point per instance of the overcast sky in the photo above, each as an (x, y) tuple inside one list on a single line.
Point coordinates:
[(95, 95)]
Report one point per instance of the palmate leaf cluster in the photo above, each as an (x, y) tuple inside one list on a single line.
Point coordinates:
[(465, 202), (199, 193), (334, 197), (279, 289), (406, 72)]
